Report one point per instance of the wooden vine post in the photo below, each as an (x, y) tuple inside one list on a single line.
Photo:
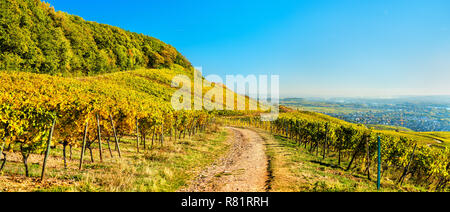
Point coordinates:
[(100, 151), (137, 135), (3, 145), (109, 146), (368, 157), (83, 147), (144, 141), (64, 154), (47, 152), (379, 164), (326, 141), (115, 136), (162, 134), (2, 153), (175, 129)]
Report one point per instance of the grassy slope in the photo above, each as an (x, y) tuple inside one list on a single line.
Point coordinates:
[(156, 83), (165, 168), (150, 84), (433, 138), (153, 83), (387, 127)]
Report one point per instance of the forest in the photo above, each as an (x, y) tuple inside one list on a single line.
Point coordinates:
[(36, 38)]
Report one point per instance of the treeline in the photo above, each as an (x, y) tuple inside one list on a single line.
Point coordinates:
[(36, 38), (403, 159)]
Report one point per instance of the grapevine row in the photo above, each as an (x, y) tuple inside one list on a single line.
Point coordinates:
[(402, 157), (83, 114)]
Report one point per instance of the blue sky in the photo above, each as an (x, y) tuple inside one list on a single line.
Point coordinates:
[(318, 47)]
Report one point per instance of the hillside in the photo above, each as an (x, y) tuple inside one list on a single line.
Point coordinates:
[(36, 38), (439, 139), (69, 84), (418, 113)]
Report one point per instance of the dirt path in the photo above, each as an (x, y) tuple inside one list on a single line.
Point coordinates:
[(243, 169)]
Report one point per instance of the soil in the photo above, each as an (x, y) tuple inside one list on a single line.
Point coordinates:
[(243, 169)]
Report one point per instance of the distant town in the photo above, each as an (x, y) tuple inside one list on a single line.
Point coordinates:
[(416, 113)]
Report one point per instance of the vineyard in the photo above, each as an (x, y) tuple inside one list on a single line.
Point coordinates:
[(403, 158), (83, 100), (39, 111)]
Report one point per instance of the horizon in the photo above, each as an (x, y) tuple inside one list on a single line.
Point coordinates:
[(368, 97), (319, 48)]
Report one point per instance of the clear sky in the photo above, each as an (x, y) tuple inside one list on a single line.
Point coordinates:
[(318, 47)]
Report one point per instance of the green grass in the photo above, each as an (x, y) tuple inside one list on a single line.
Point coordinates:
[(435, 139), (443, 137), (387, 127)]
